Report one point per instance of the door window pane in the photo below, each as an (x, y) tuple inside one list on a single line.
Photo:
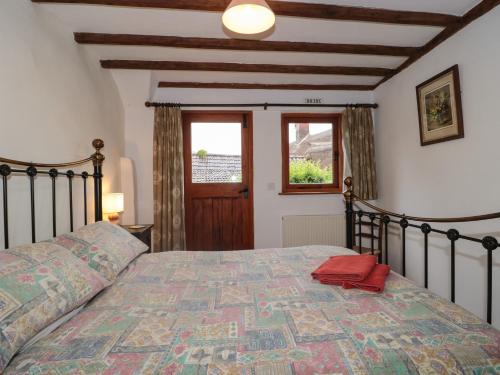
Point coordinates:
[(310, 153), (216, 152)]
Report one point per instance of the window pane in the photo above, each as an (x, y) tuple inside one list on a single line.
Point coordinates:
[(216, 149), (311, 153)]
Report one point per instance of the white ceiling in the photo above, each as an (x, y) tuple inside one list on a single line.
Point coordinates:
[(267, 57), (456, 7), (107, 19)]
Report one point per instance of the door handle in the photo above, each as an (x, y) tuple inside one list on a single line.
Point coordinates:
[(245, 192)]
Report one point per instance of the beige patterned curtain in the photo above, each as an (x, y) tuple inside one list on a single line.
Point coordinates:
[(168, 180), (359, 146)]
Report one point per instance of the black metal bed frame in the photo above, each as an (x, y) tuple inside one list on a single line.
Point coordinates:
[(11, 167), (384, 218)]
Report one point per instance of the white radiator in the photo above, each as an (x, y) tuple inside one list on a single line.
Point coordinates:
[(300, 230)]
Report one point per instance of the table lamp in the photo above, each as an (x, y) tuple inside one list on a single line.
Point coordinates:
[(112, 205)]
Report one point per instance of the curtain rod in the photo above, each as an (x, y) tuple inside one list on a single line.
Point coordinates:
[(264, 105)]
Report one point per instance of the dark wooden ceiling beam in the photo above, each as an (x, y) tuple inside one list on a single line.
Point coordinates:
[(478, 11), (240, 45), (260, 86), (348, 13), (245, 68), (291, 9)]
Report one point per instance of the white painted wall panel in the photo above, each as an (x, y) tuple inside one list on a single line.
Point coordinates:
[(128, 178), (455, 178), (269, 206), (54, 100)]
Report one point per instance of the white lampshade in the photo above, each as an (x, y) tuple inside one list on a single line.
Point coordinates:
[(248, 17), (112, 203)]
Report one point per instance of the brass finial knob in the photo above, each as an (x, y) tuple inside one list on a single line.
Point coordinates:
[(98, 144), (348, 194), (98, 158)]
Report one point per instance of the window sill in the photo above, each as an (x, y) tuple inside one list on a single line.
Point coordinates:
[(311, 193)]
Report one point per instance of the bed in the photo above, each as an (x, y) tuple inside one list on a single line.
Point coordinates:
[(247, 312), (259, 312)]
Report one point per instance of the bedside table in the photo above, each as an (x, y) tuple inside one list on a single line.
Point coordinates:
[(143, 234)]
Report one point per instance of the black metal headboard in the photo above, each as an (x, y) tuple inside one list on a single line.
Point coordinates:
[(10, 167), (378, 217)]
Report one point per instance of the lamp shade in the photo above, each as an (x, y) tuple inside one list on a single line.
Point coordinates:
[(112, 203), (248, 17)]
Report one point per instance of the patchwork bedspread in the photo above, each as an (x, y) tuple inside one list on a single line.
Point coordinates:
[(259, 312)]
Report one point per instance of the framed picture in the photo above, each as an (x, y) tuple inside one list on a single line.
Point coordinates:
[(440, 108)]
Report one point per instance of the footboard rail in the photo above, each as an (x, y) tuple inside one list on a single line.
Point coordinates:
[(380, 217)]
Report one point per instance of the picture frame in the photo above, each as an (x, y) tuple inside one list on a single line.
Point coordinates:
[(440, 108)]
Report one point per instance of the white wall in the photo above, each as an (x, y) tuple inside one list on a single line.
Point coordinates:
[(54, 100), (134, 87), (269, 207), (454, 178)]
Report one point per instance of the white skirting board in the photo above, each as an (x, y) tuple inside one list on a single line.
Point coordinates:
[(301, 230)]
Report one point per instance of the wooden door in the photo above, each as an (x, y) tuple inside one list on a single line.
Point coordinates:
[(218, 177)]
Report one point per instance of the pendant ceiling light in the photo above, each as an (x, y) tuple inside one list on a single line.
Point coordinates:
[(248, 17)]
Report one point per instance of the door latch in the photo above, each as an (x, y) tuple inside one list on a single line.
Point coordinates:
[(245, 193)]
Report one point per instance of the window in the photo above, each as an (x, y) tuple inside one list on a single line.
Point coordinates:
[(312, 156), (216, 152)]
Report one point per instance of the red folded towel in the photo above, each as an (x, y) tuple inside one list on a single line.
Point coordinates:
[(375, 282), (342, 268)]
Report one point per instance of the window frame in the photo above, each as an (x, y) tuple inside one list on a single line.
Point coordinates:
[(337, 154)]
